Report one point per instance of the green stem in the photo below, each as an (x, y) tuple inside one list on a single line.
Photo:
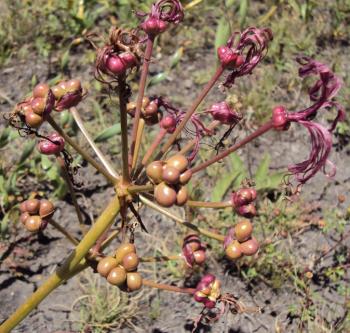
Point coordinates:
[(81, 151), (70, 267)]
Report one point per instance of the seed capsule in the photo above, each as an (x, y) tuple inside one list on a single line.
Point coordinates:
[(154, 171), (179, 162), (182, 196), (41, 90), (117, 276), (123, 250), (38, 105), (250, 247), (58, 91), (23, 218), (32, 119), (199, 257), (73, 85), (243, 230), (233, 251), (170, 174), (32, 206), (46, 208), (165, 195), (185, 177), (33, 223), (130, 262), (106, 265), (134, 281)]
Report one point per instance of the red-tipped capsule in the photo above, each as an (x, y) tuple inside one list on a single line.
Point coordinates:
[(51, 146)]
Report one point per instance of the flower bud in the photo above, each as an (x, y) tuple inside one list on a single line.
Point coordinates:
[(53, 146)]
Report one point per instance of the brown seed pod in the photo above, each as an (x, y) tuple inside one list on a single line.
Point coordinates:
[(164, 195), (38, 105), (23, 218), (41, 90), (134, 281), (130, 262), (199, 256), (250, 247), (178, 161), (32, 119), (46, 208), (170, 174), (233, 251), (123, 250), (182, 196), (33, 223), (32, 206), (185, 177), (154, 171), (117, 276), (243, 230), (105, 265)]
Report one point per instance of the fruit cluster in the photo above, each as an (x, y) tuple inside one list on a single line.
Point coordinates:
[(170, 176), (242, 201), (240, 241), (193, 251), (208, 291), (36, 108), (121, 270), (36, 213), (149, 110)]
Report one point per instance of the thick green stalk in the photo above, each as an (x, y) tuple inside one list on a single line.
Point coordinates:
[(71, 266)]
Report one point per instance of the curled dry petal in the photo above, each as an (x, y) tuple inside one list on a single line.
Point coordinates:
[(243, 52), (321, 93)]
